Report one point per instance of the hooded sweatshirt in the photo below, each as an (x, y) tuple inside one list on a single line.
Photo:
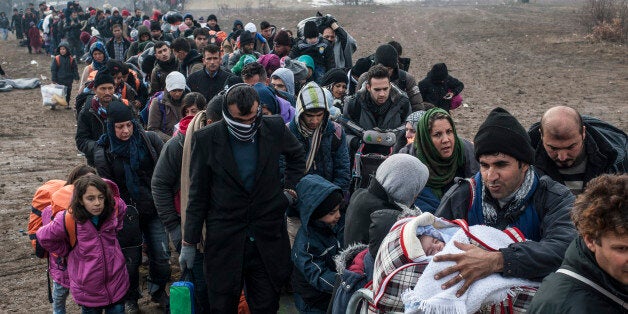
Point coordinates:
[(287, 77)]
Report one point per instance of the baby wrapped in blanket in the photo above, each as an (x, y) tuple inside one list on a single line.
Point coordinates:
[(429, 298)]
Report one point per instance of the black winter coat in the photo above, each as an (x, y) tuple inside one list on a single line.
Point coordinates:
[(166, 181), (89, 127), (201, 82), (219, 199), (434, 92)]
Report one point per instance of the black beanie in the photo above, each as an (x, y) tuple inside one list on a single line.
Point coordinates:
[(155, 26), (103, 77), (361, 66), (333, 76), (439, 72), (119, 112), (387, 56), (502, 133), (310, 30), (246, 38), (327, 205)]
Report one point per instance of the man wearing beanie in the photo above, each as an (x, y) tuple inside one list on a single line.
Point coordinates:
[(246, 44), (157, 34), (313, 45), (397, 183), (360, 67), (319, 239), (387, 56), (235, 190), (282, 44), (91, 117), (508, 192), (343, 43)]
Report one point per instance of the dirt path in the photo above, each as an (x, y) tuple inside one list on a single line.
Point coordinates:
[(524, 58)]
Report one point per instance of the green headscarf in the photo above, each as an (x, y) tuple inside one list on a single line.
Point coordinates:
[(442, 170)]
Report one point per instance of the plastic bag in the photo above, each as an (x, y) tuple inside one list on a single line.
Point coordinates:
[(53, 95)]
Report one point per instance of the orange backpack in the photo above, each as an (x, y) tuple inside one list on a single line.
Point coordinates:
[(41, 199), (61, 201)]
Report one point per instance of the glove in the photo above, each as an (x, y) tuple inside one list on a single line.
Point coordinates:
[(186, 258), (175, 237), (291, 198)]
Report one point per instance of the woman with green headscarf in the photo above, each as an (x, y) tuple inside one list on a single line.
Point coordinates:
[(446, 155)]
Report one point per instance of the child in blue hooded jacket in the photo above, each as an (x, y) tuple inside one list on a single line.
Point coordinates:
[(319, 239)]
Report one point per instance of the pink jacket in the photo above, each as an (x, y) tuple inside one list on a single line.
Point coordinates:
[(96, 266), (57, 264)]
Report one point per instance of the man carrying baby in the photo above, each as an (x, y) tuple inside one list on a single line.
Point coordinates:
[(507, 192)]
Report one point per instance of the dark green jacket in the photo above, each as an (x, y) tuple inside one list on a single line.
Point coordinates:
[(560, 293)]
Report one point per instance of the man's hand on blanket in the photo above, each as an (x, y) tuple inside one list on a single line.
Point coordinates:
[(474, 264)]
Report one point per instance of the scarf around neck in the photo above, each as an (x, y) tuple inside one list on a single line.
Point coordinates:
[(132, 153), (442, 170), (242, 132), (514, 207)]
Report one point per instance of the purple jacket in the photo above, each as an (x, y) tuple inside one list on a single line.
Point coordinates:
[(287, 111), (96, 266), (57, 263)]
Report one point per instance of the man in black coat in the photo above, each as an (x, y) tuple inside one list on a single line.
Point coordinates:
[(236, 191), (211, 79)]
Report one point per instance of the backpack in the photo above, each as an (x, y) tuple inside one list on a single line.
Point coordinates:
[(58, 60), (162, 108), (41, 200)]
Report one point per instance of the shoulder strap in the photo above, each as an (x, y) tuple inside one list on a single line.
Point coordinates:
[(595, 286), (162, 109), (336, 140), (58, 60), (70, 228)]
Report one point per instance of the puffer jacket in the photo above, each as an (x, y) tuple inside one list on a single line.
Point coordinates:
[(560, 293), (552, 203), (96, 266), (55, 267), (355, 270), (315, 245), (605, 145)]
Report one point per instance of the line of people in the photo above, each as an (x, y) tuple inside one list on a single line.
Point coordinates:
[(245, 169)]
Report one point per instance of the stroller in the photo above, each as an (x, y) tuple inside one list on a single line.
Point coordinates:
[(375, 146)]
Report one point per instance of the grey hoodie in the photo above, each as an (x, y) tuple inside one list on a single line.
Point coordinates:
[(287, 77)]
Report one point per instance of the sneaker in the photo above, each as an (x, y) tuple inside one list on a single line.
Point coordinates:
[(131, 307)]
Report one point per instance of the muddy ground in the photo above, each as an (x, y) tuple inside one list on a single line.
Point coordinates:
[(524, 58)]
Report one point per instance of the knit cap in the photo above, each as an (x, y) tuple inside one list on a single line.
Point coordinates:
[(333, 76), (250, 27), (267, 98), (327, 205), (269, 61), (502, 133), (403, 177), (283, 38), (175, 80), (212, 17), (414, 117), (155, 26), (309, 62), (103, 77), (361, 66), (310, 30), (119, 112), (246, 38), (387, 56), (298, 68)]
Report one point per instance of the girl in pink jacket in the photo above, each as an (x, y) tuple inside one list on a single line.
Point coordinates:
[(95, 264)]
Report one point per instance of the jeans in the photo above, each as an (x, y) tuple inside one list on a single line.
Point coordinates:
[(59, 295), (116, 308), (5, 33), (156, 239)]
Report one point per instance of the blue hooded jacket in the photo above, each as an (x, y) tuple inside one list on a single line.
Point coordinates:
[(315, 245)]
